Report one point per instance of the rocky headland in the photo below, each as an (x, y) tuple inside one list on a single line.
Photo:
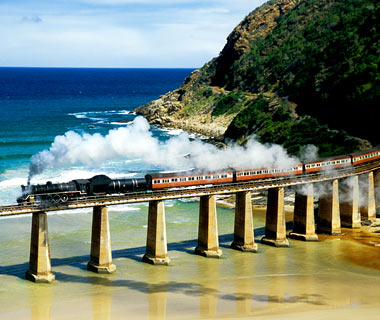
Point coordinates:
[(290, 73)]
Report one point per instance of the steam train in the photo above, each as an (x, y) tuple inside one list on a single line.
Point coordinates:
[(57, 193)]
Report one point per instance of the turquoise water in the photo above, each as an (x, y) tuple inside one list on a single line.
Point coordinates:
[(38, 104), (313, 280)]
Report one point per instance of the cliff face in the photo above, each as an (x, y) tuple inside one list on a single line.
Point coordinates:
[(256, 25), (293, 72)]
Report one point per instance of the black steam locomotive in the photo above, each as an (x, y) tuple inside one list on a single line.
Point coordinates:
[(56, 193)]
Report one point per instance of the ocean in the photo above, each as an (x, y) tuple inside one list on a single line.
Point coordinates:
[(38, 104), (329, 279)]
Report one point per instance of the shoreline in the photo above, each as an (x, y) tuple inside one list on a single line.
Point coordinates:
[(164, 112)]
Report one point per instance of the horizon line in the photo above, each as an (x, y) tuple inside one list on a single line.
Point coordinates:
[(56, 67)]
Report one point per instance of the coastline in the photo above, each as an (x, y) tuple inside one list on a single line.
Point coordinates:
[(165, 113)]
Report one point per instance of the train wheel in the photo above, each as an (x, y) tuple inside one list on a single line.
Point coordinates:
[(49, 199), (64, 198), (56, 198)]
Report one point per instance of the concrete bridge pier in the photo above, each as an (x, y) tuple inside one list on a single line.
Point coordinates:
[(101, 253), (39, 261), (304, 223), (244, 239), (367, 190), (156, 242), (349, 202), (275, 228), (208, 242), (329, 213)]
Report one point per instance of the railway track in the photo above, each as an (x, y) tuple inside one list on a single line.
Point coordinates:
[(144, 196)]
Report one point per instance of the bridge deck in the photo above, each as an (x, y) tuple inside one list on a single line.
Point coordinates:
[(135, 197)]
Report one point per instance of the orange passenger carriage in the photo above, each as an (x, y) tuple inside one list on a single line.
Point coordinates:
[(366, 156), (253, 174), (187, 178), (328, 164)]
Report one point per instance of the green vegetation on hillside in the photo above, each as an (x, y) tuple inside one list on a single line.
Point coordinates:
[(282, 128), (229, 103), (324, 56)]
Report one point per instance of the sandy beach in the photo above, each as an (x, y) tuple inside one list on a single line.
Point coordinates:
[(337, 277)]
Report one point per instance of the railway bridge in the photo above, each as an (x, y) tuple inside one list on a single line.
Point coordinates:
[(359, 181)]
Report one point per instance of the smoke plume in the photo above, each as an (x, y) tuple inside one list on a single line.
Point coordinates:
[(137, 142)]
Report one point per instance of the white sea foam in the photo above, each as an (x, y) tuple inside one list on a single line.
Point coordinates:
[(120, 123), (175, 132), (79, 115), (188, 200), (169, 203), (123, 112), (85, 114), (124, 208), (70, 211)]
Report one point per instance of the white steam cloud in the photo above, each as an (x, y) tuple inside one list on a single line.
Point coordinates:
[(137, 142)]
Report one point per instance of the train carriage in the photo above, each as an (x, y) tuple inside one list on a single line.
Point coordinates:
[(366, 156), (328, 164), (187, 178), (253, 174)]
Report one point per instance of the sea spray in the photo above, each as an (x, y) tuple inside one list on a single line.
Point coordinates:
[(136, 141)]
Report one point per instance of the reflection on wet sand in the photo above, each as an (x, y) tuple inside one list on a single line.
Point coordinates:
[(157, 291), (208, 270), (102, 304), (40, 302), (244, 283), (275, 265)]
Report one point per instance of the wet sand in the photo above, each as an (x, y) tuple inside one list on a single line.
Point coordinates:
[(330, 279)]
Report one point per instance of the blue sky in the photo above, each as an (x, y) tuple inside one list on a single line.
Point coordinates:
[(116, 33)]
